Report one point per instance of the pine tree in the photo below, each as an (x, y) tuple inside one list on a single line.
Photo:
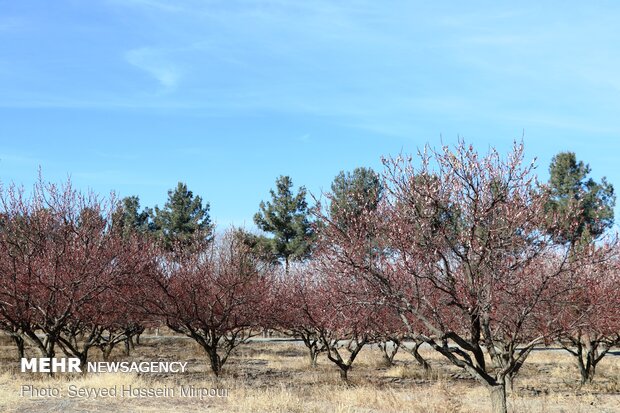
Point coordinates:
[(286, 217), (570, 185), (182, 217), (129, 218), (354, 193)]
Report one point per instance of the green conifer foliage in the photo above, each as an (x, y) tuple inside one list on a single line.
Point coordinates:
[(182, 217), (129, 218), (353, 193), (286, 217), (569, 185)]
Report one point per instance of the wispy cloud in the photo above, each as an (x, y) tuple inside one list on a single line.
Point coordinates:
[(10, 24), (20, 160), (116, 178), (358, 63), (118, 156), (151, 4), (154, 62)]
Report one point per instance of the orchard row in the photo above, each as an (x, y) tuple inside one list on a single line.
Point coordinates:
[(465, 252)]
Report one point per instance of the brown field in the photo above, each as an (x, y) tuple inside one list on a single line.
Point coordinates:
[(274, 377)]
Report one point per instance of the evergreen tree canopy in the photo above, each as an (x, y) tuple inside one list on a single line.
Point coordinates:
[(354, 193), (182, 217), (286, 216), (129, 218), (259, 245), (570, 185)]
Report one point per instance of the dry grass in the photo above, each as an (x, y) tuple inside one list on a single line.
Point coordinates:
[(274, 377)]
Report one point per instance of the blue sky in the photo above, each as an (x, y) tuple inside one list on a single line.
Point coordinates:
[(135, 95)]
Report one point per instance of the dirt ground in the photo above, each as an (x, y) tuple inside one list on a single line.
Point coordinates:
[(275, 377)]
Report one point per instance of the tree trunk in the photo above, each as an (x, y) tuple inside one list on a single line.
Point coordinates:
[(48, 351), (83, 360), (314, 355), (386, 359), (127, 346), (587, 373), (510, 382), (313, 348), (344, 373), (498, 398), (46, 346), (216, 364), (107, 350), (587, 366), (387, 353), (418, 357), (587, 355), (19, 342)]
